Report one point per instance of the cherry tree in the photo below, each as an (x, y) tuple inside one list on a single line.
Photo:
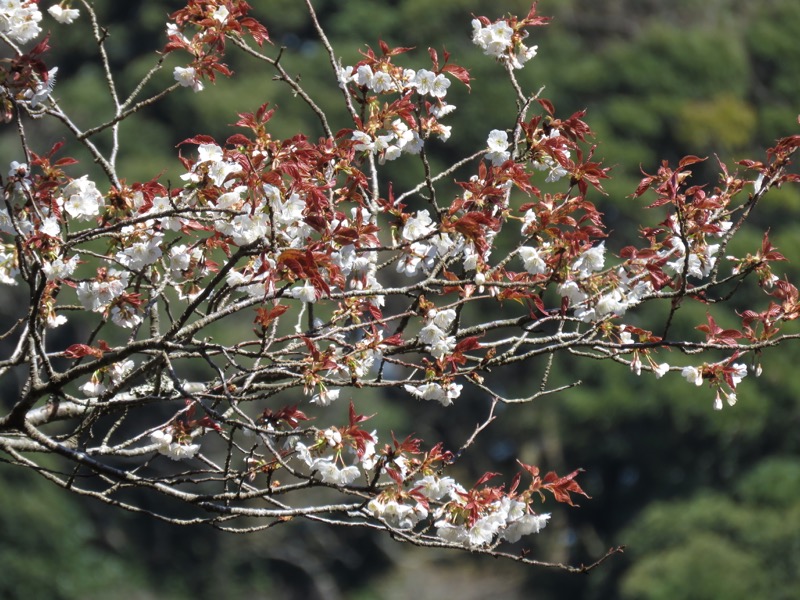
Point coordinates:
[(340, 287)]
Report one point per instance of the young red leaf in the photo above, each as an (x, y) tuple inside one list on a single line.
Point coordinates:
[(265, 316), (459, 73), (468, 344), (561, 487), (690, 160), (81, 350)]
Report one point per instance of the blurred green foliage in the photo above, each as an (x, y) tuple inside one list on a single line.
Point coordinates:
[(707, 503), (712, 545), (50, 548)]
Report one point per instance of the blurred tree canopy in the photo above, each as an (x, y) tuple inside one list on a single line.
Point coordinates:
[(707, 503)]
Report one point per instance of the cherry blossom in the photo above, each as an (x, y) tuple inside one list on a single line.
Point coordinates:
[(498, 143), (82, 199), (19, 19), (188, 77), (246, 299), (62, 14), (168, 446)]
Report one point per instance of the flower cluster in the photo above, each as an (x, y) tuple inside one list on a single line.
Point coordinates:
[(505, 518), (473, 518), (9, 266), (390, 78), (176, 448), (504, 38), (628, 336), (432, 390), (325, 457), (82, 199), (105, 377), (434, 333), (702, 256), (63, 13), (400, 127), (724, 376), (176, 440), (398, 515), (553, 159), (209, 23), (19, 20), (97, 295)]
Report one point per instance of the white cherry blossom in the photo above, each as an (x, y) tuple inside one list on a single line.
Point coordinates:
[(82, 199), (187, 77), (63, 15)]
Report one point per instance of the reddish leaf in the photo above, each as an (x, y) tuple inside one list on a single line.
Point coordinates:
[(467, 344), (690, 160), (208, 423), (197, 140), (561, 487), (288, 414), (547, 106), (395, 340), (265, 316), (356, 418), (81, 350), (486, 477), (257, 30), (459, 73)]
